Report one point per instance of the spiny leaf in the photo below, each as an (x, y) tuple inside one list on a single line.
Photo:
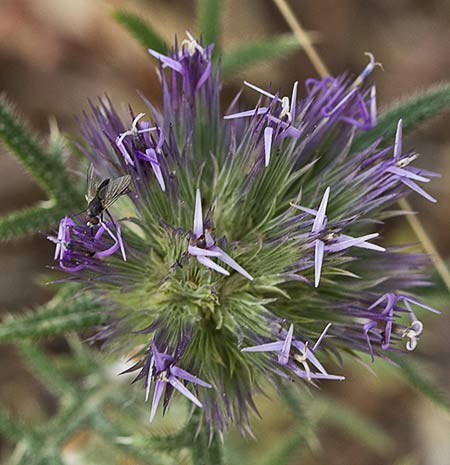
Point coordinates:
[(29, 221), (140, 30), (44, 369), (366, 432), (257, 51), (414, 111), (420, 382), (48, 170), (208, 16), (50, 321)]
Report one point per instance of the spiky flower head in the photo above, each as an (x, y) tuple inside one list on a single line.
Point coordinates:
[(243, 246)]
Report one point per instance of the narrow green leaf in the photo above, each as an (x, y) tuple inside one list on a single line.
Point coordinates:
[(140, 30), (208, 17), (48, 170), (50, 321), (29, 221), (365, 431), (44, 369), (420, 382), (290, 447), (257, 51), (414, 111)]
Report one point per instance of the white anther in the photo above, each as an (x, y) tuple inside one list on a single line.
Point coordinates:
[(303, 360), (407, 160), (286, 109), (412, 333), (192, 45)]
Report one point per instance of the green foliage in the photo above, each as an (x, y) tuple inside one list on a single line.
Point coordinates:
[(415, 110), (419, 381), (47, 169), (53, 319), (257, 51), (208, 14), (28, 221), (349, 421), (140, 30)]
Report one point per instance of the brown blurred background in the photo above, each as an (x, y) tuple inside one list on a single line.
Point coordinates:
[(55, 54)]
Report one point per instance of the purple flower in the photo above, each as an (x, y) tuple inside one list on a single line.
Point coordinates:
[(386, 319), (404, 173), (302, 356), (250, 165), (332, 242), (163, 369), (203, 245)]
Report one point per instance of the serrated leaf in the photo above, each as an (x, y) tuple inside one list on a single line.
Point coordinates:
[(420, 382), (50, 321), (29, 221), (208, 17), (48, 170), (257, 51), (413, 110), (140, 30)]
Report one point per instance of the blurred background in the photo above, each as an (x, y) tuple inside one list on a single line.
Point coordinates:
[(55, 54)]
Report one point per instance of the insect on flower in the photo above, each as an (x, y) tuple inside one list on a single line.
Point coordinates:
[(101, 195)]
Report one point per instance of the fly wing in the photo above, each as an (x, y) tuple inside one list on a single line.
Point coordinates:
[(113, 190), (92, 184)]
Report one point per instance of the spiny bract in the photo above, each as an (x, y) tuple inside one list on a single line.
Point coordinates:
[(247, 248)]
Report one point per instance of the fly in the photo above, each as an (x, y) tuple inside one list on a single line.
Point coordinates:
[(101, 195)]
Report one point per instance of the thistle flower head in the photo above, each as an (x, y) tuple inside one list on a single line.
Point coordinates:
[(244, 250)]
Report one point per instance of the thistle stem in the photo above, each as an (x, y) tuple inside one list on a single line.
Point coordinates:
[(302, 37), (414, 222), (205, 451)]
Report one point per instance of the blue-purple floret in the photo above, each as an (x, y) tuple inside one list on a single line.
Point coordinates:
[(328, 221)]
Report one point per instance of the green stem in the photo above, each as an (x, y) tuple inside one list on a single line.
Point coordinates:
[(204, 450)]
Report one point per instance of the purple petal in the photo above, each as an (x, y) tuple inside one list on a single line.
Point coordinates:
[(304, 209), (268, 132), (148, 381), (318, 261), (156, 168), (156, 398), (204, 77), (247, 113), (303, 374), (167, 61), (183, 374), (210, 264), (420, 304), (383, 297), (320, 218), (261, 91), (197, 251), (198, 215), (373, 106), (186, 393), (344, 242), (283, 356), (159, 361), (406, 173), (294, 100), (269, 347), (299, 345), (230, 262), (121, 146), (412, 185), (317, 344), (398, 140)]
